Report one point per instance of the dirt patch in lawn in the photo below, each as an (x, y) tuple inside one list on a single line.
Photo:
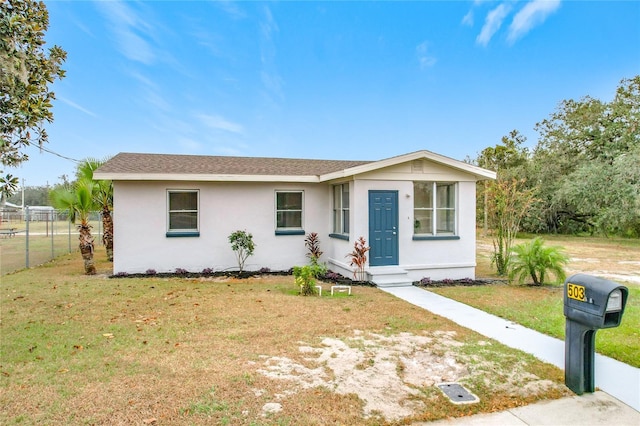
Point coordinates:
[(391, 373)]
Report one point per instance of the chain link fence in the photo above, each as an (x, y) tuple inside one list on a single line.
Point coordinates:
[(35, 235)]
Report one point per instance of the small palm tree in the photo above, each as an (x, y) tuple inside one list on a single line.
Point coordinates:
[(535, 260), (78, 201), (103, 198)]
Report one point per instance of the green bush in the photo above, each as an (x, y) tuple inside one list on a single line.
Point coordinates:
[(306, 277), (536, 260), (242, 244)]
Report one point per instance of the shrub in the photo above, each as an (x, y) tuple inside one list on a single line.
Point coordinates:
[(207, 271), (265, 270), (425, 281), (242, 244), (332, 276), (181, 271), (535, 260), (150, 272), (306, 277)]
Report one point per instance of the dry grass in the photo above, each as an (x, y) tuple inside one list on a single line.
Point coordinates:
[(78, 350)]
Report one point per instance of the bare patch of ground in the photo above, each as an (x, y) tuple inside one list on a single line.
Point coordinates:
[(390, 373)]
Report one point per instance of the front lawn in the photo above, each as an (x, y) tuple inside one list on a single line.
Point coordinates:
[(94, 350)]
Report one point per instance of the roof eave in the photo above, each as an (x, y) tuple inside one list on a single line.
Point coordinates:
[(202, 177)]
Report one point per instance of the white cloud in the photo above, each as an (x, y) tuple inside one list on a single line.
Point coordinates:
[(468, 19), (217, 122), (76, 106), (231, 8), (425, 59), (126, 25), (269, 75), (532, 14), (492, 23)]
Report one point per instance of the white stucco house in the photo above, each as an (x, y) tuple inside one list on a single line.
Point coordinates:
[(416, 211)]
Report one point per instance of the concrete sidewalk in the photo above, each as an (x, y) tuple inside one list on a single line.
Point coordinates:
[(597, 408), (618, 380)]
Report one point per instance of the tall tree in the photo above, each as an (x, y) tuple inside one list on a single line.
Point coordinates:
[(102, 198), (27, 71), (508, 203), (579, 163), (506, 159)]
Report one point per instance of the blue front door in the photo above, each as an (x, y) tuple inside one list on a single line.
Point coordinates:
[(383, 228)]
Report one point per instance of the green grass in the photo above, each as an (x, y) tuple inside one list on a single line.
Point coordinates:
[(65, 239), (541, 309)]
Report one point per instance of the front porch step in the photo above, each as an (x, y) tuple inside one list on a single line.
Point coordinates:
[(389, 277)]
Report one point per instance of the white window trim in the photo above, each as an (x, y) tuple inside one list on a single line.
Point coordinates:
[(186, 231), (435, 210), (288, 230), (340, 208)]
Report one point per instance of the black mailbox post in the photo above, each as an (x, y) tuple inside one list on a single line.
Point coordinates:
[(590, 303)]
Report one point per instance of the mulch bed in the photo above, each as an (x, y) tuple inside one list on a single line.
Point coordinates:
[(330, 276)]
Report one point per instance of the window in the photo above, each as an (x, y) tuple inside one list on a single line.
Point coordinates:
[(434, 210), (182, 213), (341, 209), (289, 212)]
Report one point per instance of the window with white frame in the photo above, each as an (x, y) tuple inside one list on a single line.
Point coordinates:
[(289, 211), (182, 214), (341, 209), (434, 208)]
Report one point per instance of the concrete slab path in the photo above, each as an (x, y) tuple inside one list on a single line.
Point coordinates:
[(617, 379)]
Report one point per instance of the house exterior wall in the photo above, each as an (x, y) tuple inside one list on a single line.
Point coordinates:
[(140, 225), (434, 258)]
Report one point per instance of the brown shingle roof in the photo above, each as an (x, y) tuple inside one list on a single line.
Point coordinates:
[(132, 163)]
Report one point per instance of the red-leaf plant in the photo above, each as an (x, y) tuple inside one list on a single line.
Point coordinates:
[(312, 242), (359, 258)]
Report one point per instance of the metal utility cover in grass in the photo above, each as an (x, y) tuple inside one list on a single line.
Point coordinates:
[(457, 393)]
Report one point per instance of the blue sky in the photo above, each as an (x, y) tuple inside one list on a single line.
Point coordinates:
[(331, 80)]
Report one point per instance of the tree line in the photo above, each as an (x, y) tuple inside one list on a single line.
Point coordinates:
[(582, 176)]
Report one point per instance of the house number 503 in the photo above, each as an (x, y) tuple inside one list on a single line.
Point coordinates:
[(577, 292)]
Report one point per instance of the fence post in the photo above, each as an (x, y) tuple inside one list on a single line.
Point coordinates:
[(26, 218), (51, 213)]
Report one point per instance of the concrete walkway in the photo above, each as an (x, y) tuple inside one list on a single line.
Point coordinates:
[(615, 378)]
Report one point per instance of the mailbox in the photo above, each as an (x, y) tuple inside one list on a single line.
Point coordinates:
[(590, 303)]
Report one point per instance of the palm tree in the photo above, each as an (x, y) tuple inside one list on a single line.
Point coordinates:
[(78, 201), (534, 259), (103, 198)]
